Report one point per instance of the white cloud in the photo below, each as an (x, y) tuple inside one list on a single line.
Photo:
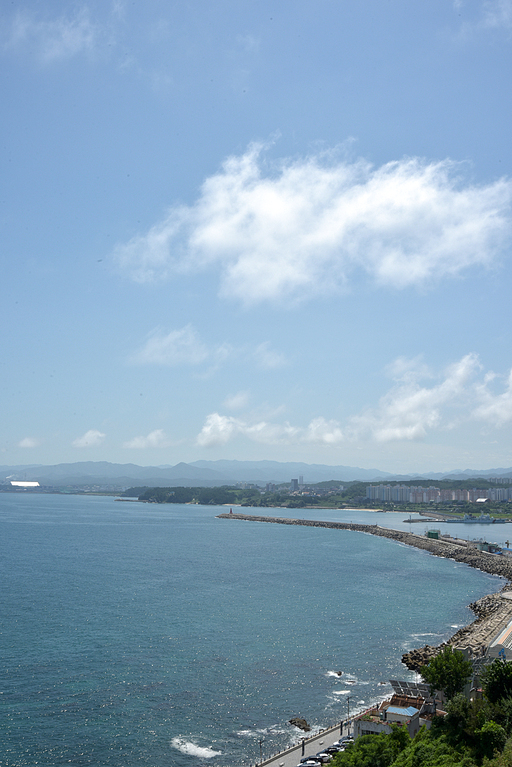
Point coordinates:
[(492, 15), (324, 432), (91, 438), (496, 409), (178, 347), (220, 429), (29, 442), (185, 347), (266, 357), (155, 439), (497, 13), (409, 411), (308, 225), (237, 401), (56, 39), (408, 369)]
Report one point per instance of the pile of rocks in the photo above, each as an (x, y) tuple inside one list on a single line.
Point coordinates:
[(415, 659), (493, 613), (487, 606), (301, 723)]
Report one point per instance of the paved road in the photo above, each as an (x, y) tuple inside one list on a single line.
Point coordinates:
[(292, 756)]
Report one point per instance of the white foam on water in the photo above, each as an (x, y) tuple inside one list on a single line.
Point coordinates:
[(336, 674), (427, 634), (192, 749), (274, 729), (340, 692)]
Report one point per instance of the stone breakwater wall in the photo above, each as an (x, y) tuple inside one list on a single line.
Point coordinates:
[(493, 611), (488, 563)]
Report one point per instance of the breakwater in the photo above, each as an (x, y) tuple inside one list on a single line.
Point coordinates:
[(493, 611)]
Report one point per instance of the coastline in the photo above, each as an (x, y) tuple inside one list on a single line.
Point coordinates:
[(493, 611)]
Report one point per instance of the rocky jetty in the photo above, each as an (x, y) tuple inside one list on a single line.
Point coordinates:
[(493, 611), (460, 551)]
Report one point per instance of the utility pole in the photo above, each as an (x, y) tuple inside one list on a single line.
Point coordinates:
[(348, 713)]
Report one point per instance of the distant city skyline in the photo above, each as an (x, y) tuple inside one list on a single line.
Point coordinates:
[(256, 231)]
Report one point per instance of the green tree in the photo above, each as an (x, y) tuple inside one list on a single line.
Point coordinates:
[(375, 750), (502, 714), (501, 760), (448, 671), (497, 680), (456, 719), (491, 739), (429, 749)]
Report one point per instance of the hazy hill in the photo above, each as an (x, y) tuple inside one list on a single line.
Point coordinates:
[(196, 473), (277, 471), (105, 473), (213, 473)]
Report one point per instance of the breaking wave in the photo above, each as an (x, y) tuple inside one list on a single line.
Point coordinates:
[(186, 747)]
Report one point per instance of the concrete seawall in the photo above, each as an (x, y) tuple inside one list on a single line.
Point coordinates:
[(493, 611)]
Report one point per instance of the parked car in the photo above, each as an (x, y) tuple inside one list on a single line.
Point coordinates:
[(324, 757)]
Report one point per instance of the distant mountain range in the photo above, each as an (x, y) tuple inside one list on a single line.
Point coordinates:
[(212, 473)]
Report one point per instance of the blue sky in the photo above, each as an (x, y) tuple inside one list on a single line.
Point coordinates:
[(257, 230)]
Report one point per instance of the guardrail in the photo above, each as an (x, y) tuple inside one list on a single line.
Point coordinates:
[(344, 724)]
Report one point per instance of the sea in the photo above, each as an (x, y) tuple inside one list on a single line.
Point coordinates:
[(160, 635)]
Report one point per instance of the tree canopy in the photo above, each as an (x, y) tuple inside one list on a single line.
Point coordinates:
[(497, 680), (449, 671), (375, 750)]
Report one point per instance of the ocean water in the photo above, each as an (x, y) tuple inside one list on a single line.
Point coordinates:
[(160, 635)]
